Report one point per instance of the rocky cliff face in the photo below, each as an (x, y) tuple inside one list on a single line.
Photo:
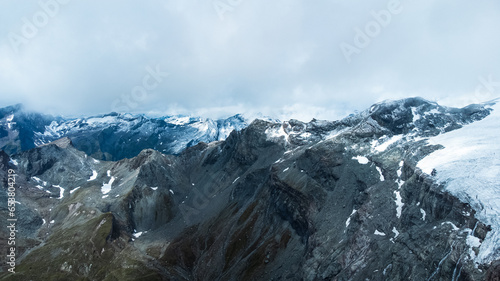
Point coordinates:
[(340, 200)]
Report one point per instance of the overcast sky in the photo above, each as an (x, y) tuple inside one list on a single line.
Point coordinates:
[(284, 58)]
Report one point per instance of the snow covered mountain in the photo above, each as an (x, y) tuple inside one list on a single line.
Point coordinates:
[(112, 136), (405, 190)]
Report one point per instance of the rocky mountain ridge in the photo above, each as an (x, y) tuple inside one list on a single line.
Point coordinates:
[(341, 200)]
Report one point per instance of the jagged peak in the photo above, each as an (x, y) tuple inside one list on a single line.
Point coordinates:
[(145, 156)]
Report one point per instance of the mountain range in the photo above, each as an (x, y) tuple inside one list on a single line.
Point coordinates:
[(111, 136), (405, 190)]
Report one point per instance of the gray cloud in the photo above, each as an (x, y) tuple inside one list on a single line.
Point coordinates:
[(282, 58)]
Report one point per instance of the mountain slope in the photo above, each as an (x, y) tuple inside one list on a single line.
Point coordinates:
[(341, 200)]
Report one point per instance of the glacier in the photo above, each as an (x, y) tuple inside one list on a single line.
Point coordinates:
[(469, 168)]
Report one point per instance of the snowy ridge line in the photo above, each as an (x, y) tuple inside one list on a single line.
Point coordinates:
[(469, 168), (441, 262)]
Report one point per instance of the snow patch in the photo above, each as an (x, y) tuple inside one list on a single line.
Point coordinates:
[(379, 233), (305, 135), (348, 221), (202, 127), (154, 188), (61, 192), (400, 170), (9, 120), (94, 121), (361, 159), (335, 133), (473, 241), (14, 162), (383, 147), (395, 231), (106, 188), (94, 176), (171, 191), (73, 190), (400, 183), (137, 235), (276, 133), (399, 204), (415, 114), (433, 111), (178, 120), (286, 169), (381, 175), (422, 211)]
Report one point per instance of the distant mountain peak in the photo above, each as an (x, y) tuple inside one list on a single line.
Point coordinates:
[(115, 136), (64, 142)]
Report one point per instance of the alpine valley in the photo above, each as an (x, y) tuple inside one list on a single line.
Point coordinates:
[(405, 190)]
